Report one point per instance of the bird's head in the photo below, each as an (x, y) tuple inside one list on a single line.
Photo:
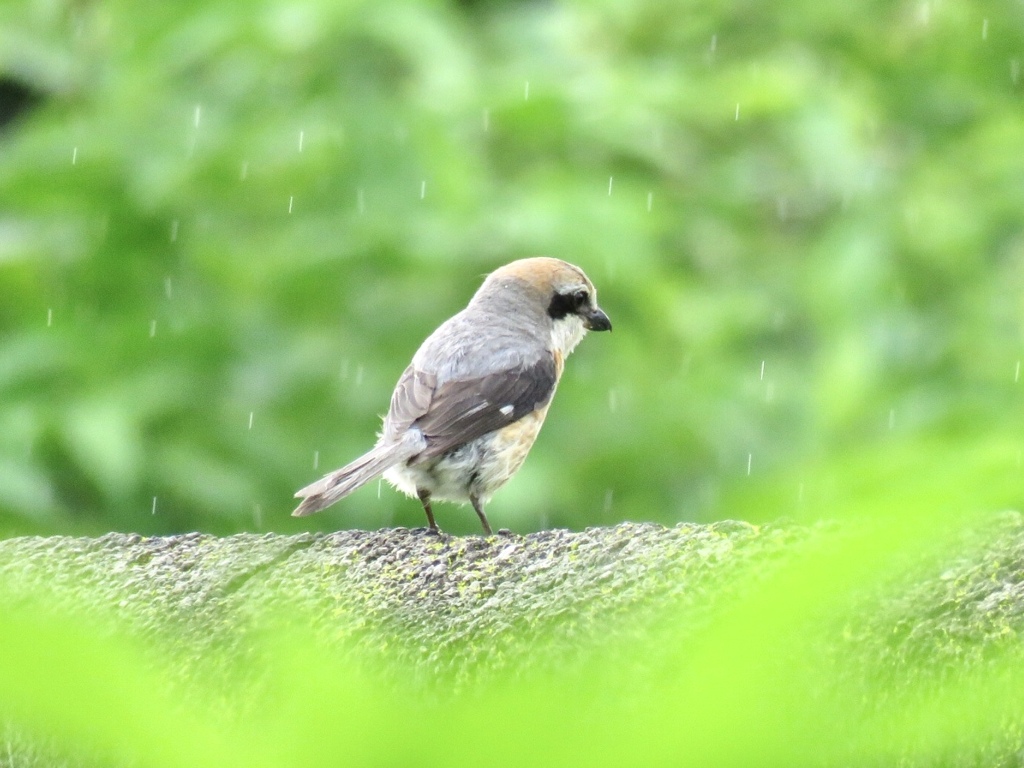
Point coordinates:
[(558, 291)]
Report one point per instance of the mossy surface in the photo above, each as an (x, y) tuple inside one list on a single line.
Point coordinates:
[(434, 602), (451, 601), (462, 609)]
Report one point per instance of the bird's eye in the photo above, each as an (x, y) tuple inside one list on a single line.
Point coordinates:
[(567, 303)]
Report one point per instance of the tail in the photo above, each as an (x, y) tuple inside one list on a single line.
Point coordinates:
[(341, 482)]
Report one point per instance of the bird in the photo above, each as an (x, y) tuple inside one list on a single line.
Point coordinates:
[(469, 407)]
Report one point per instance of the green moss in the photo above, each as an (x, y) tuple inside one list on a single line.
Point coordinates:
[(458, 611)]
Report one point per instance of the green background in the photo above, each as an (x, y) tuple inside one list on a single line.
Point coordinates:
[(225, 228)]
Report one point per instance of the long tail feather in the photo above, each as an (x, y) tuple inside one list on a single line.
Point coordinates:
[(341, 482)]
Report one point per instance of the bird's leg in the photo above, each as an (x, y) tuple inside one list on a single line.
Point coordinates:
[(425, 501), (479, 507)]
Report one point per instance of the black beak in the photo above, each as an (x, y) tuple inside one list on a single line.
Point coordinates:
[(596, 320)]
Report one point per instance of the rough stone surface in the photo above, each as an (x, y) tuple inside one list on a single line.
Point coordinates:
[(433, 601), (468, 606)]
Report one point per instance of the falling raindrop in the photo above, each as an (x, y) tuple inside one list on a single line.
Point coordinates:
[(924, 13), (613, 400), (984, 29), (1016, 373), (257, 515), (167, 287), (608, 494), (154, 506), (302, 138), (49, 318), (380, 482), (714, 43), (174, 230), (359, 374), (245, 170), (650, 201), (152, 328), (800, 493), (526, 91), (737, 117), (316, 459), (360, 201), (487, 120), (250, 419), (291, 202), (762, 370), (197, 114), (892, 418), (423, 189), (74, 156), (611, 179), (750, 462)]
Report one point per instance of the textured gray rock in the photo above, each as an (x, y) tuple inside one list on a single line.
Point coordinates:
[(445, 600), (433, 602), (461, 608)]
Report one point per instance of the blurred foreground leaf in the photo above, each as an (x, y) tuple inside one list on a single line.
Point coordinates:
[(890, 636)]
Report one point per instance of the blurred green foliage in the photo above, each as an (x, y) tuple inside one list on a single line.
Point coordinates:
[(766, 678), (225, 228)]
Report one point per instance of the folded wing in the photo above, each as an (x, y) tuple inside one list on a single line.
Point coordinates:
[(459, 411)]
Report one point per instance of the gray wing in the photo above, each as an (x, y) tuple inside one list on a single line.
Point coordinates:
[(410, 400), (459, 411)]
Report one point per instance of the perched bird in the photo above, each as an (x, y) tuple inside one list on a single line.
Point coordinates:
[(466, 411)]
